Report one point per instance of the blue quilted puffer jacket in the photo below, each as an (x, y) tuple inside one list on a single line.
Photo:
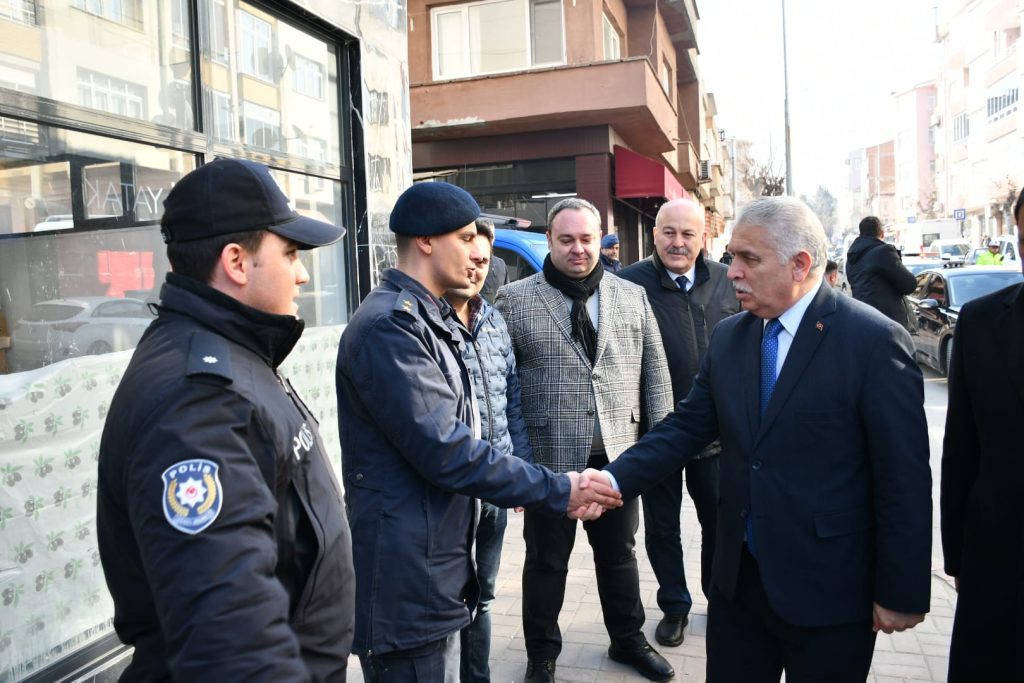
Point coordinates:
[(492, 365)]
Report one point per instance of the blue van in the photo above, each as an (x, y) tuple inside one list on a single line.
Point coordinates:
[(523, 252)]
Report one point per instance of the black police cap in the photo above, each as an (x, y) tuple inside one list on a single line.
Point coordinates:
[(433, 208), (236, 195)]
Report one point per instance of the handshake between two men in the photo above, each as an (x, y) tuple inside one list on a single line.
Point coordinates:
[(591, 494)]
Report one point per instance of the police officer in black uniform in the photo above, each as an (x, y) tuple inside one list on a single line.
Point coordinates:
[(221, 527), (412, 458)]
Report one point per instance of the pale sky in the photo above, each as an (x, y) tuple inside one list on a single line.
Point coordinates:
[(845, 61)]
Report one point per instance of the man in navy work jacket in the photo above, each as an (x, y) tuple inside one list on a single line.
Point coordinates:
[(220, 524), (412, 457), (824, 521)]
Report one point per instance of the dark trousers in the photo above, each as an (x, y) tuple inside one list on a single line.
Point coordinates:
[(436, 662), (662, 533), (748, 642), (549, 543), (476, 638)]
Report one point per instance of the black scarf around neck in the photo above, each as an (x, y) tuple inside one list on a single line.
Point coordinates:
[(579, 291)]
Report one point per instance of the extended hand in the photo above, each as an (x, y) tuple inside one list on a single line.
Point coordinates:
[(889, 621), (590, 495)]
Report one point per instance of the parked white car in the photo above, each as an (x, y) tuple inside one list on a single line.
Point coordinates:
[(88, 325)]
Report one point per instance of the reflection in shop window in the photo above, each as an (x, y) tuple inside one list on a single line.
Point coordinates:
[(308, 77), (180, 23), (109, 94), (254, 46), (223, 121), (262, 126), (127, 12), (218, 40)]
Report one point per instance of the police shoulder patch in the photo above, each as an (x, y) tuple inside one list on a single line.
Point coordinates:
[(192, 494)]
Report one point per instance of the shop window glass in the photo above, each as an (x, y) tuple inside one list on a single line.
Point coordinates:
[(80, 257), (277, 59), (121, 63)]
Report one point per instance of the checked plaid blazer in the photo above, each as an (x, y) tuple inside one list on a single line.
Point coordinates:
[(628, 385)]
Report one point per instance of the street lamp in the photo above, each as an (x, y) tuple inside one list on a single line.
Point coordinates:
[(785, 77)]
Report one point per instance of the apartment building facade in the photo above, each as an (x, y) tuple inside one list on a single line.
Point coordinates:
[(914, 153), (523, 102), (978, 118), (872, 183), (104, 105)]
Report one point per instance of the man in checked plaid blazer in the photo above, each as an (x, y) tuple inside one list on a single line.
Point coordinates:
[(593, 377)]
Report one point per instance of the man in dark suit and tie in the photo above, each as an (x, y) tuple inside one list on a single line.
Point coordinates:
[(982, 529), (824, 520)]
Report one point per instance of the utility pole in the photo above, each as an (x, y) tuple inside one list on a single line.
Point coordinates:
[(785, 77)]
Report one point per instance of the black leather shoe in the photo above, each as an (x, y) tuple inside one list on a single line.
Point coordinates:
[(540, 671), (645, 660), (670, 630)]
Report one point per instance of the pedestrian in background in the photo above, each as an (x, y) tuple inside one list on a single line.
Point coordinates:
[(497, 276), (832, 273), (412, 458), (221, 530), (690, 296), (492, 366), (592, 370), (610, 253), (992, 257), (876, 274), (982, 529), (824, 517)]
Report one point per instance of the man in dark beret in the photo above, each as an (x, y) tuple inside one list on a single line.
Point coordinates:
[(413, 462)]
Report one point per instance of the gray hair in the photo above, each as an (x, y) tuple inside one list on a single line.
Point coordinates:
[(791, 225), (574, 203)]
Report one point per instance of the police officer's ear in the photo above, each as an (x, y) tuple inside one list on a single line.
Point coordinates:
[(233, 265)]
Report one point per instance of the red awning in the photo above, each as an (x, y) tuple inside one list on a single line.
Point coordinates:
[(638, 176)]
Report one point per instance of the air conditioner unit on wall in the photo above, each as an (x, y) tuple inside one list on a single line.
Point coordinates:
[(705, 171)]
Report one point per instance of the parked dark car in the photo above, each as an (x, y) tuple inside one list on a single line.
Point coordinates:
[(936, 304)]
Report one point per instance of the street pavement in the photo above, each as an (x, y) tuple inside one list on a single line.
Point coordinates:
[(920, 654)]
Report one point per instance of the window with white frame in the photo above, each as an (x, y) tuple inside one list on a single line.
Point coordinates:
[(223, 121), (308, 77), (495, 36), (179, 23), (961, 128), (254, 46), (612, 40), (218, 45), (21, 11), (261, 126), (127, 12), (1002, 99), (109, 94)]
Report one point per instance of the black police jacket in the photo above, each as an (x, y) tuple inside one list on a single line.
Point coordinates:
[(221, 528)]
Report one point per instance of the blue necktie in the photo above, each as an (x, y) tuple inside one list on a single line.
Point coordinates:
[(682, 281), (769, 357)]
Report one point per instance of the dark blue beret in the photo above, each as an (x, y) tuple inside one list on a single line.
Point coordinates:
[(433, 208)]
